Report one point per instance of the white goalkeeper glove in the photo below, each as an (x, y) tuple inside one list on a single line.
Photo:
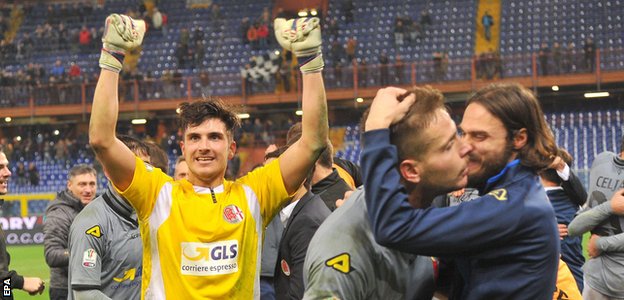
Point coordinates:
[(121, 34), (302, 36)]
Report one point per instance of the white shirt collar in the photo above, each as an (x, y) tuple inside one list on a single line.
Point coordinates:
[(287, 211)]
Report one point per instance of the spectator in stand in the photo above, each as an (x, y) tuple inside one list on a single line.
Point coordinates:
[(399, 70), (384, 76), (244, 29), (198, 34), (425, 19), (487, 21), (590, 55), (544, 54), (332, 28), (215, 11), (74, 73), (27, 46), (21, 174), (556, 56), (252, 36), (350, 48), (33, 174), (336, 51), (338, 73), (568, 58), (84, 39), (438, 72), (363, 73), (62, 34), (263, 34), (347, 10), (58, 71), (199, 53), (399, 32)]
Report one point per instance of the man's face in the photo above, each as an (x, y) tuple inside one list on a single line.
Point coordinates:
[(181, 171), (5, 174), (83, 187), (443, 166), (207, 149), (488, 136)]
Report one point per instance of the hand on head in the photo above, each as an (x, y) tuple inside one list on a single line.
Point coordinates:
[(389, 107)]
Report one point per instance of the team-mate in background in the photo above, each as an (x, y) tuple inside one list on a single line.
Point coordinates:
[(604, 271), (506, 242), (105, 249), (202, 236), (566, 194)]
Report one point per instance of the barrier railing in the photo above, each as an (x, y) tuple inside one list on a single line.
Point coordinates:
[(352, 76)]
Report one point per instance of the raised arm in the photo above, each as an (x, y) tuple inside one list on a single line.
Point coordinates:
[(120, 34), (303, 37)]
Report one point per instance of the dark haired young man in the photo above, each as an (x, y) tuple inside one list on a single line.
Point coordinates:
[(202, 235)]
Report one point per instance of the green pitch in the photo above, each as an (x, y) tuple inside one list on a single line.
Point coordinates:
[(29, 261)]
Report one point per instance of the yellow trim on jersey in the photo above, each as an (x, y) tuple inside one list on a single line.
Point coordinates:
[(194, 248)]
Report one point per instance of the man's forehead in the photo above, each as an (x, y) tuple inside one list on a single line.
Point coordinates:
[(83, 177), (213, 125), (478, 118)]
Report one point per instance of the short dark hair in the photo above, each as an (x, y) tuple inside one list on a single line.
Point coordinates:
[(406, 134), (158, 157), (325, 158), (516, 107), (135, 145), (79, 170), (195, 113)]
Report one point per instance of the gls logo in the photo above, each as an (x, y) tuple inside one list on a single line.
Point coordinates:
[(216, 253), (206, 259)]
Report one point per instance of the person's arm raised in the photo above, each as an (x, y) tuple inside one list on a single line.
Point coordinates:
[(120, 34), (303, 37)]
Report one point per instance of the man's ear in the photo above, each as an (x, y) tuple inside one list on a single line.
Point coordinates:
[(232, 150), (520, 139), (410, 171)]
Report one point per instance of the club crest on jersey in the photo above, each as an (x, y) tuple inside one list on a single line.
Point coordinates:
[(233, 214), (285, 267), (89, 258)]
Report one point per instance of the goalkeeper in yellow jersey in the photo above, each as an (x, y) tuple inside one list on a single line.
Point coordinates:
[(202, 235)]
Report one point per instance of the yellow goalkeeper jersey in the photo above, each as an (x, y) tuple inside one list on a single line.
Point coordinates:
[(201, 243)]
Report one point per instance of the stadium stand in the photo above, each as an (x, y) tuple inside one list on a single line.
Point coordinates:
[(524, 27)]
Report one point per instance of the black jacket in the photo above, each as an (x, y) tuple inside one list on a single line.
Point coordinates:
[(17, 281), (56, 222), (330, 189), (305, 219)]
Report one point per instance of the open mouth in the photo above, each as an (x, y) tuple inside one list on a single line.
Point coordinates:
[(204, 159)]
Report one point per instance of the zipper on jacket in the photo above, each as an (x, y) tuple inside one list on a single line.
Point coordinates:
[(214, 198)]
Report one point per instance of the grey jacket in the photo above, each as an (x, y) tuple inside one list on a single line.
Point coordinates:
[(56, 222)]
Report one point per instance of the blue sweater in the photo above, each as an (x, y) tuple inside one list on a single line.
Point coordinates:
[(571, 248), (506, 242)]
